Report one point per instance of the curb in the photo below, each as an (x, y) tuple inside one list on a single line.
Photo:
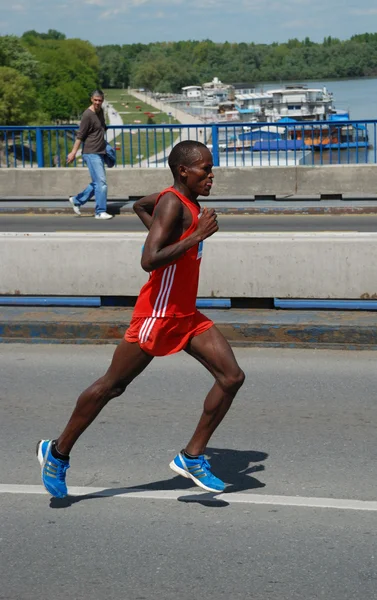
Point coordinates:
[(253, 207), (239, 334), (329, 210)]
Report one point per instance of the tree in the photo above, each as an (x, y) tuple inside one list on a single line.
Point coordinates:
[(52, 34), (68, 74), (13, 54), (147, 75), (17, 98), (114, 67)]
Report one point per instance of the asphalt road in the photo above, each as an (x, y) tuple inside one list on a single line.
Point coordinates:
[(302, 428), (129, 222)]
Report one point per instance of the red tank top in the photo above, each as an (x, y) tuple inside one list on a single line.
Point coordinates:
[(171, 290)]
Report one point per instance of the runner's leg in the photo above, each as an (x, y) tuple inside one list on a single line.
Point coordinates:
[(214, 352), (128, 362)]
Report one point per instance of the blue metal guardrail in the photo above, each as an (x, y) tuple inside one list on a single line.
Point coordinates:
[(94, 301), (232, 144)]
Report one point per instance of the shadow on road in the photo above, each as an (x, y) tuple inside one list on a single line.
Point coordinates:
[(235, 467)]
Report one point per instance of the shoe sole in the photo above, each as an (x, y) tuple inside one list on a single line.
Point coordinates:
[(184, 473), (41, 458)]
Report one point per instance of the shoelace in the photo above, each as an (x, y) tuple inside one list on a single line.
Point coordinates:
[(206, 466), (61, 471)]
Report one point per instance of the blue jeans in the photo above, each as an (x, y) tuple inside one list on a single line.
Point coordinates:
[(98, 186)]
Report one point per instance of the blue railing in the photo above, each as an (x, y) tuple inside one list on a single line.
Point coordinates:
[(232, 144)]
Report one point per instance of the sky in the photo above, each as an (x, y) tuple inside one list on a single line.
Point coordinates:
[(142, 21)]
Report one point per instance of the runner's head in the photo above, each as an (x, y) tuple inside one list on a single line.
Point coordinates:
[(191, 164)]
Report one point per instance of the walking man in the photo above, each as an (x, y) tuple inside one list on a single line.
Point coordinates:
[(92, 134), (165, 320)]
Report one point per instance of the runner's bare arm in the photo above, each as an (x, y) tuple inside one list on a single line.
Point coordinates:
[(159, 250), (144, 208)]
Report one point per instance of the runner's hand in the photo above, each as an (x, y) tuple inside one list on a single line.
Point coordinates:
[(207, 223)]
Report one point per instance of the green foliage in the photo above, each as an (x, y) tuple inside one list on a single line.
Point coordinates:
[(60, 76), (13, 54), (68, 72), (114, 67), (167, 67), (52, 34), (17, 98)]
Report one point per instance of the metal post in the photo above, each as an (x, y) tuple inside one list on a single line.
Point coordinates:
[(215, 145), (39, 144)]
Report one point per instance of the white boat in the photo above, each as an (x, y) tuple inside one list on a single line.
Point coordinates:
[(297, 114), (295, 102)]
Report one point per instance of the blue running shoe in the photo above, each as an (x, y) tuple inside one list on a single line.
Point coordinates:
[(199, 471), (53, 470)]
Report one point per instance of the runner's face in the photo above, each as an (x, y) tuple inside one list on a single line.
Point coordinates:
[(200, 175)]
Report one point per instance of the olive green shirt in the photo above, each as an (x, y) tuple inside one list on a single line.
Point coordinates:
[(92, 132)]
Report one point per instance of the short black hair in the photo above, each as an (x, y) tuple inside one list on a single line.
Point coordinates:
[(185, 153), (97, 93)]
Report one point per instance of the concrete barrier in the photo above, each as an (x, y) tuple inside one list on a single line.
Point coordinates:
[(243, 265), (336, 179), (229, 181), (47, 183)]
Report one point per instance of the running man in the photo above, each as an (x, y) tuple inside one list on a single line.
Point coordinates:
[(165, 320)]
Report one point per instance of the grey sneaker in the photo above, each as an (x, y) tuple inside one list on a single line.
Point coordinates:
[(75, 208), (104, 215)]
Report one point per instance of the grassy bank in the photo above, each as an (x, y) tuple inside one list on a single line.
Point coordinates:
[(134, 145), (134, 111)]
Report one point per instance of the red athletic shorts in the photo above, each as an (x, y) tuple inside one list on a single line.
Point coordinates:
[(160, 336)]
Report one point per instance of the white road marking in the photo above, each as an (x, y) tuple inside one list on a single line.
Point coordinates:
[(197, 496)]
